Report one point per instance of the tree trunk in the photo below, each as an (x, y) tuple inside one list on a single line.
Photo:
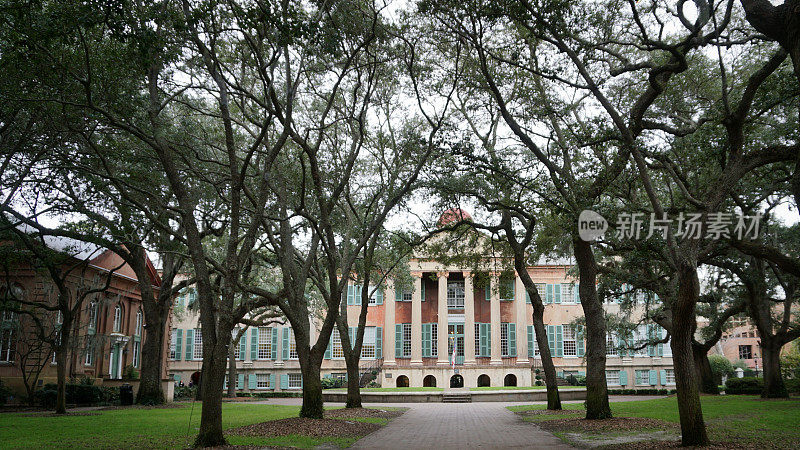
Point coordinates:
[(773, 379), (312, 390), (597, 406), (353, 386), (693, 427), (232, 372), (553, 398), (61, 376), (212, 379), (708, 383), (150, 391)]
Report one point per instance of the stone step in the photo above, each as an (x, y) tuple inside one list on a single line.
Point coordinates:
[(457, 397)]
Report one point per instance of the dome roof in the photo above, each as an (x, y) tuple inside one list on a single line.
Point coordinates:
[(453, 215)]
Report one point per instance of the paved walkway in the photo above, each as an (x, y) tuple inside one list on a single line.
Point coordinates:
[(458, 426)]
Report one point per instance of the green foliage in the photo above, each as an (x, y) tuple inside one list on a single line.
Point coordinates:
[(720, 366), (185, 393), (793, 386), (790, 362), (130, 373), (576, 380), (5, 393), (746, 385), (331, 383)]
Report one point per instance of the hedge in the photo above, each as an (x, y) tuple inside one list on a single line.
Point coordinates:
[(641, 391), (746, 385)]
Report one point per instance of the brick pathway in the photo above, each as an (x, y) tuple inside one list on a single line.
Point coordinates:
[(452, 425)]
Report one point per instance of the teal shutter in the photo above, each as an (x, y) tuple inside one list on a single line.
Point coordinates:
[(251, 381), (398, 340), (530, 341), (284, 381), (549, 293), (559, 340), (254, 344), (623, 378), (663, 377), (378, 342), (551, 339), (357, 294), (350, 295), (426, 340), (398, 295), (285, 344), (488, 339), (579, 340), (483, 339), (576, 294), (422, 284), (581, 373), (652, 378), (527, 297), (379, 296), (274, 333), (242, 345), (488, 291), (240, 381), (557, 292), (189, 344), (560, 374), (272, 381), (512, 340), (178, 344)]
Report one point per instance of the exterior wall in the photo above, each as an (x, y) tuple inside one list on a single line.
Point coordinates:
[(742, 334), (101, 340)]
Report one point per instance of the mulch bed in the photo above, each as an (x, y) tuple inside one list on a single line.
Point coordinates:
[(614, 424), (334, 425), (548, 412), (653, 445)]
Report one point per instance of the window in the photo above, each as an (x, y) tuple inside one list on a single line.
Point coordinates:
[(535, 346), (507, 289), (455, 294), (374, 293), (643, 377), (198, 344), (368, 345), (612, 377), (292, 345), (406, 340), (339, 376), (540, 287), (236, 346), (407, 296), (336, 347), (89, 358), (434, 340), (567, 294), (264, 343), (7, 345), (570, 341), (117, 319), (262, 380), (504, 339), (745, 352), (670, 377), (136, 345), (138, 329), (477, 339), (173, 344), (92, 316), (611, 346), (295, 381)]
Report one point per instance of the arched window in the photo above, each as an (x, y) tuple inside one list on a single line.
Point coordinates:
[(117, 319), (138, 330)]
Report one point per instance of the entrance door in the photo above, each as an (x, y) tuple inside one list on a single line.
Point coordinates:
[(455, 336), (456, 381), (114, 361)]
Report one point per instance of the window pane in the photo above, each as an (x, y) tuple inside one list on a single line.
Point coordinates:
[(455, 294)]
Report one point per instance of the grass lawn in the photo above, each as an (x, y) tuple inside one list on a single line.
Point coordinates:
[(149, 428), (740, 418), (395, 389), (505, 388)]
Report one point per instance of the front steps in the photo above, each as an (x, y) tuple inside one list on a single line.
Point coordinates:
[(456, 397)]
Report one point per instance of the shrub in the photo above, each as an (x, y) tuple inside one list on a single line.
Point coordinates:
[(746, 385), (130, 373), (185, 392), (720, 366), (793, 386), (539, 382), (576, 380), (46, 397), (331, 383), (109, 395), (5, 393)]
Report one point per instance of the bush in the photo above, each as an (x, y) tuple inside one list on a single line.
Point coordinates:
[(746, 385), (185, 392), (793, 386), (332, 383), (46, 397), (720, 366), (576, 380), (5, 393), (130, 373), (539, 382)]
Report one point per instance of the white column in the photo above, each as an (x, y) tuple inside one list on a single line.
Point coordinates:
[(496, 358), (388, 326), (442, 336), (416, 320), (469, 319), (522, 322)]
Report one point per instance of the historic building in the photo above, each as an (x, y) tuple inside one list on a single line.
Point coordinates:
[(107, 335), (411, 332)]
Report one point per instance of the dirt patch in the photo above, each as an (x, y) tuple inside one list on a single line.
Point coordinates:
[(548, 412), (307, 427), (606, 425), (354, 413), (677, 444)]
